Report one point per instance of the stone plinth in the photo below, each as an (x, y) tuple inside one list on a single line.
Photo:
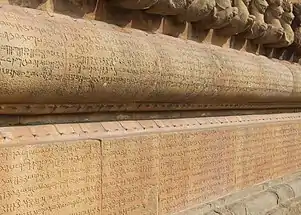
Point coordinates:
[(143, 167)]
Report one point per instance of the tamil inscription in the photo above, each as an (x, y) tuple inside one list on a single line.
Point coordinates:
[(184, 169), (198, 166), (130, 176), (56, 59), (54, 178)]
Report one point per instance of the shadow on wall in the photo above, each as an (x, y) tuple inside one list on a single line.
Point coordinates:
[(27, 3), (74, 8)]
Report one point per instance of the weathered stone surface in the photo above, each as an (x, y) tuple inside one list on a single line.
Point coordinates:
[(272, 17), (210, 14), (159, 171), (259, 27), (296, 26), (286, 21), (258, 201), (240, 23), (130, 176), (24, 3), (55, 59), (198, 10), (168, 7), (54, 178), (178, 163)]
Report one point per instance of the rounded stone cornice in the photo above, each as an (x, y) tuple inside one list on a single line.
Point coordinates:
[(59, 60)]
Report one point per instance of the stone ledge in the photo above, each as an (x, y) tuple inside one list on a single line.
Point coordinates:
[(50, 59), (231, 109)]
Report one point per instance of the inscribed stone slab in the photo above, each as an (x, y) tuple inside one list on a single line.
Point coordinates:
[(130, 176), (56, 178), (184, 169)]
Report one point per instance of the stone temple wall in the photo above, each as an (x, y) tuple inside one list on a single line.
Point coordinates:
[(101, 119)]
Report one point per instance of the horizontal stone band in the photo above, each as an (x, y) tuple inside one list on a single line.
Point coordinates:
[(150, 166), (56, 59)]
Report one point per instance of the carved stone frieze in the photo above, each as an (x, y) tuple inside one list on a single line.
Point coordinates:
[(277, 3), (296, 26), (272, 17), (240, 23), (257, 8), (219, 16), (286, 22), (266, 22), (168, 7), (198, 10)]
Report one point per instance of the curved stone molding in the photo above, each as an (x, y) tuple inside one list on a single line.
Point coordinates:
[(56, 59)]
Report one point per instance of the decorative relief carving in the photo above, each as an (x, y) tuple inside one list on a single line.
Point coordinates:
[(13, 135), (257, 8), (168, 7), (240, 23), (266, 22), (296, 26), (198, 10), (272, 17), (263, 22), (286, 22), (215, 14)]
